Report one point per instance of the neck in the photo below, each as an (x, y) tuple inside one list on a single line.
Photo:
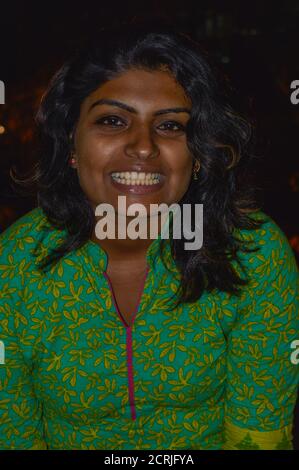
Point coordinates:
[(125, 249)]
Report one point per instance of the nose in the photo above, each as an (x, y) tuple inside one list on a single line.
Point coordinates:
[(141, 144)]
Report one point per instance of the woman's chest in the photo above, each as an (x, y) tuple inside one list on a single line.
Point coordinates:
[(127, 283), (161, 361), (85, 347), (126, 293)]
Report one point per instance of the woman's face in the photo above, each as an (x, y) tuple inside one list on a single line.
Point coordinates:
[(129, 130)]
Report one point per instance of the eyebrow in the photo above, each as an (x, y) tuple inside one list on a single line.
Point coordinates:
[(130, 109)]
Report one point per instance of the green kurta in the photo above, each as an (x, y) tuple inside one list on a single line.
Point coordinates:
[(212, 374)]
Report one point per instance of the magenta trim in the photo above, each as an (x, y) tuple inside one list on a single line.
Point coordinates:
[(129, 341), (130, 371)]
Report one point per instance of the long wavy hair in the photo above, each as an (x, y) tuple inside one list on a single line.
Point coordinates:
[(217, 135)]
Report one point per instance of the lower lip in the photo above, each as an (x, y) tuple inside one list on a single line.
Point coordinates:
[(134, 189)]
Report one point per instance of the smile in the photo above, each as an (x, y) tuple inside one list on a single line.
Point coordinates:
[(135, 182), (136, 178)]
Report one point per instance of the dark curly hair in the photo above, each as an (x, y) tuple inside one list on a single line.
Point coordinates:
[(217, 135)]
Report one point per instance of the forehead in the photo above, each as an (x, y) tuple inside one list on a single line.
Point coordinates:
[(158, 87)]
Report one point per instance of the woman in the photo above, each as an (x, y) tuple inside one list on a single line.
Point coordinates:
[(97, 354)]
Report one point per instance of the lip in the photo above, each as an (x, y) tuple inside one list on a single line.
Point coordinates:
[(134, 189)]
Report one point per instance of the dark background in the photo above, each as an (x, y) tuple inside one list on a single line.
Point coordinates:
[(255, 43)]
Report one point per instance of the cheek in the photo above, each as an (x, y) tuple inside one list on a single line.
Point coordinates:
[(180, 182), (180, 165), (90, 170), (180, 176), (93, 156)]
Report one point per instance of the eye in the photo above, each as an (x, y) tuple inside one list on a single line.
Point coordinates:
[(172, 126), (111, 121)]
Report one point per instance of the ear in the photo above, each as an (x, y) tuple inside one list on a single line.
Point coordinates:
[(73, 160), (73, 156)]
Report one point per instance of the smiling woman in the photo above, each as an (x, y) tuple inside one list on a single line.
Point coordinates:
[(143, 344), (139, 134)]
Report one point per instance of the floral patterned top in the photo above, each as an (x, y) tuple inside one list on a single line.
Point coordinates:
[(212, 374)]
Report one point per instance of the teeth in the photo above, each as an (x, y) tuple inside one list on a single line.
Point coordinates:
[(136, 178), (136, 182)]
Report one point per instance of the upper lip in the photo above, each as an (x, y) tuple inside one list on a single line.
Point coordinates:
[(139, 169)]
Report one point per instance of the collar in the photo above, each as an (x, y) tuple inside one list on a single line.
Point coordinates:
[(97, 256)]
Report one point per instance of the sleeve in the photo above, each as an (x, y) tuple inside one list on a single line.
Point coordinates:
[(20, 412), (262, 376)]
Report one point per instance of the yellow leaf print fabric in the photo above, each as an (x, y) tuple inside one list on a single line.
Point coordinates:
[(211, 374)]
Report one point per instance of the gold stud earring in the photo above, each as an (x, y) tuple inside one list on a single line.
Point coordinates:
[(196, 170)]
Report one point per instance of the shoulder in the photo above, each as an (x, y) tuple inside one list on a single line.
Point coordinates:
[(272, 252), (268, 234), (272, 274), (23, 226), (22, 236)]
